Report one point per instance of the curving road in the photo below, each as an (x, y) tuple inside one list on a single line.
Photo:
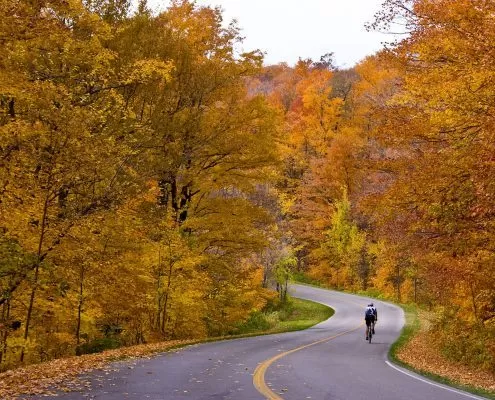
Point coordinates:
[(330, 361)]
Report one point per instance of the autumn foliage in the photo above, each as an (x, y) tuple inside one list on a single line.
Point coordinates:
[(391, 186), (154, 181), (130, 177)]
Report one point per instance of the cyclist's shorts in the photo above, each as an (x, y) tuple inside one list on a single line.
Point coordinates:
[(369, 320)]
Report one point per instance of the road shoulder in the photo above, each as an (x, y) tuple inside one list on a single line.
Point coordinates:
[(414, 351)]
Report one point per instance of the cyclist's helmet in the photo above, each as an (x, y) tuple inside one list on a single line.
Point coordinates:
[(370, 305)]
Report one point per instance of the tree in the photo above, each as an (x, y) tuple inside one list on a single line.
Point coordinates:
[(283, 273), (436, 129), (342, 255), (65, 135)]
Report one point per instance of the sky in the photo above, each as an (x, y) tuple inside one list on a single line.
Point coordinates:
[(287, 30)]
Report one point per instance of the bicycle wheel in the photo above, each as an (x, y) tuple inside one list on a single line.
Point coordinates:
[(369, 334)]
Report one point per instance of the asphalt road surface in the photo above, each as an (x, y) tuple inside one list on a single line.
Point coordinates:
[(330, 361)]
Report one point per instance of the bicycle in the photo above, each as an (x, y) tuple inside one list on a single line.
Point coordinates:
[(369, 333)]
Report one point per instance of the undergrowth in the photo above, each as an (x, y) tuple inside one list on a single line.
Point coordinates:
[(291, 315)]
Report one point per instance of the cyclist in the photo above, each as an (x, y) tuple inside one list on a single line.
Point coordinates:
[(370, 316), (375, 312)]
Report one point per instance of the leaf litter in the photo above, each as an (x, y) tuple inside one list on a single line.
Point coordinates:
[(67, 374), (423, 353)]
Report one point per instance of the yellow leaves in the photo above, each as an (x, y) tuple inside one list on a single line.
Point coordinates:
[(315, 89), (319, 113), (287, 202), (134, 161), (147, 71)]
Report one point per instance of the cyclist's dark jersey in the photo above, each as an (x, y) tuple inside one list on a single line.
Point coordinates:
[(369, 318)]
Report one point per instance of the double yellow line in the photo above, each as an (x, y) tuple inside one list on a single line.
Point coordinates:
[(259, 372)]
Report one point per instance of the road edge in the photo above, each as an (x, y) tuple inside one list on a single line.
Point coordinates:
[(410, 328), (402, 366)]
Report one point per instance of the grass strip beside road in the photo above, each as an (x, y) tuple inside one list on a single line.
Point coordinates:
[(411, 327), (293, 315)]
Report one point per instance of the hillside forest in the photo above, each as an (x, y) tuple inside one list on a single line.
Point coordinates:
[(156, 183)]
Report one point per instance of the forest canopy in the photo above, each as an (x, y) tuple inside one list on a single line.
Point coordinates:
[(156, 183)]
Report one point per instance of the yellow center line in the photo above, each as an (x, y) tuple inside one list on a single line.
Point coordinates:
[(259, 372)]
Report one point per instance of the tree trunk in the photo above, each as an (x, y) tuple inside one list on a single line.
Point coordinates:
[(415, 290), (165, 304), (159, 296), (286, 287), (12, 109), (36, 273), (473, 300), (158, 303), (398, 280), (5, 334), (264, 282), (80, 305)]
